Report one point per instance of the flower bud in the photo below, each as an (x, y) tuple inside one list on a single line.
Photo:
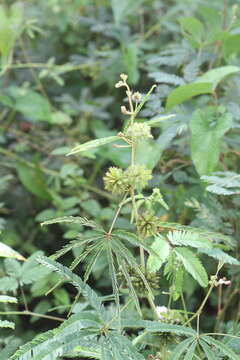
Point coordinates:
[(123, 77)]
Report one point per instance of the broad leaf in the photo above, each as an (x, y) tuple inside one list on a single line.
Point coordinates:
[(33, 180), (162, 248), (192, 265), (7, 252), (207, 129), (31, 104), (193, 30), (214, 76), (93, 144), (186, 92)]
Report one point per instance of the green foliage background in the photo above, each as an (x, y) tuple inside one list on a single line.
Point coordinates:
[(60, 60)]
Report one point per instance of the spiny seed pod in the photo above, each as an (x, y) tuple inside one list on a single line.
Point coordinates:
[(138, 176), (138, 283), (115, 181), (139, 132), (147, 224)]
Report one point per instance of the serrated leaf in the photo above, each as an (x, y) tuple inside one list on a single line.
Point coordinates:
[(220, 255), (122, 8), (207, 128), (190, 353), (7, 324), (210, 235), (76, 281), (221, 346), (186, 238), (162, 248), (93, 144), (8, 283), (192, 265), (8, 299), (219, 190), (208, 351), (162, 77), (70, 220), (7, 252), (155, 326), (180, 349)]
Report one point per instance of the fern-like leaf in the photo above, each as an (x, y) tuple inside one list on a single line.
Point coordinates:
[(221, 346), (181, 348), (220, 255), (94, 300), (71, 220), (192, 265), (210, 235)]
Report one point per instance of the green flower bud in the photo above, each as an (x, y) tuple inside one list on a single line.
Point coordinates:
[(138, 176), (139, 132), (147, 224), (116, 181)]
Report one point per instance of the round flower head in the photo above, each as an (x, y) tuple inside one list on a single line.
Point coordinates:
[(139, 132), (115, 181)]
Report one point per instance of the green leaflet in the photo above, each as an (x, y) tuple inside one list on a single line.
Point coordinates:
[(180, 349), (155, 122), (76, 281), (208, 351), (33, 180), (162, 248), (207, 128), (31, 104), (130, 59), (93, 144), (71, 220), (186, 238), (190, 352), (193, 30), (155, 326), (220, 255), (7, 324), (193, 265), (10, 29), (7, 252), (221, 346), (210, 235), (204, 84), (214, 76), (8, 299), (186, 92), (231, 44), (121, 348), (122, 8)]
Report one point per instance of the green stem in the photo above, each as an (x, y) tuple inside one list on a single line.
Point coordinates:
[(116, 215), (30, 313)]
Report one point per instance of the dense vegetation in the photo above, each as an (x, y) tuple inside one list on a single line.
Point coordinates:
[(120, 179)]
